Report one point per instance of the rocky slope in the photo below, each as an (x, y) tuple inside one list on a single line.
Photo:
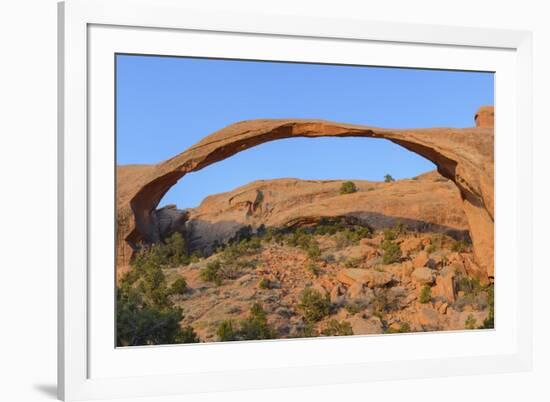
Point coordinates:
[(362, 284)]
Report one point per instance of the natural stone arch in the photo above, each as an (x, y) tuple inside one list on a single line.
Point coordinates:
[(465, 156)]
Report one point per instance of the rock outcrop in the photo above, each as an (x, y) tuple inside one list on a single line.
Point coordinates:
[(428, 202), (464, 156)]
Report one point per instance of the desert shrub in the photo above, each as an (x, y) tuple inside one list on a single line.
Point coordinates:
[(313, 250), (306, 241), (226, 332), (425, 295), (489, 322), (140, 324), (195, 256), (388, 178), (264, 283), (299, 238), (471, 292), (348, 187), (350, 236), (390, 235), (144, 313), (328, 258), (404, 327), (436, 243), (212, 272), (272, 234), (399, 228), (187, 335), (335, 328), (254, 327), (353, 235), (243, 233), (233, 251), (353, 262), (178, 287), (460, 246), (470, 286), (314, 305), (392, 252), (354, 307), (176, 250), (307, 331), (313, 268), (172, 252), (470, 322), (380, 304)]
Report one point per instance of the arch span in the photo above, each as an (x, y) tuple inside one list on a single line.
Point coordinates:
[(465, 156)]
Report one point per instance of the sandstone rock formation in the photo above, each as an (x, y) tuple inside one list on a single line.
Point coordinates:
[(426, 203), (464, 156)]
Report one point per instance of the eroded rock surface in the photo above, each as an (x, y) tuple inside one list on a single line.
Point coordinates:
[(428, 202)]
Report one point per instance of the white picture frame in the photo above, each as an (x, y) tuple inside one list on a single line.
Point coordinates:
[(92, 30)]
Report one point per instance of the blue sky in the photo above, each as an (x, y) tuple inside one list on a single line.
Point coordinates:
[(166, 104)]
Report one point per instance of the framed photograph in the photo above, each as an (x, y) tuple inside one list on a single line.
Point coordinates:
[(254, 201)]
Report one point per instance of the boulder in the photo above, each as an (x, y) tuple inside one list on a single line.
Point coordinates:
[(410, 245), (444, 284), (428, 318), (358, 293), (406, 271), (423, 276), (370, 277), (337, 295), (363, 326), (421, 259)]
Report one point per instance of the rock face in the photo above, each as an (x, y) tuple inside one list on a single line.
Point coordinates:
[(427, 203), (464, 156)]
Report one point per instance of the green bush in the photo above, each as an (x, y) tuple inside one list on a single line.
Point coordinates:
[(226, 332), (313, 250), (348, 187), (307, 331), (390, 234), (470, 286), (354, 307), (144, 313), (425, 295), (436, 243), (388, 178), (380, 304), (264, 284), (306, 241), (392, 252), (176, 250), (313, 268), (254, 327), (335, 328), (187, 335), (212, 272), (233, 251), (403, 328), (172, 252), (489, 322), (179, 287), (460, 246), (314, 305), (470, 322), (353, 262)]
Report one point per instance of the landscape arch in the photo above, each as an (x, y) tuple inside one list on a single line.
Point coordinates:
[(465, 156)]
